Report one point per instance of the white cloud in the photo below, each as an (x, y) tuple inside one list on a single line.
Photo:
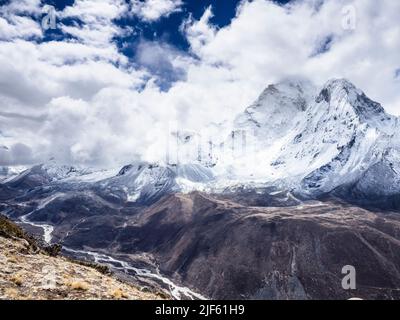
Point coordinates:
[(19, 27), (97, 18), (21, 7), (152, 10), (13, 23), (199, 33)]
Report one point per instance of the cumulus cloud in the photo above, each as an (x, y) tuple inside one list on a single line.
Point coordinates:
[(83, 101), (18, 27), (13, 23), (152, 10), (22, 6), (96, 17), (199, 33)]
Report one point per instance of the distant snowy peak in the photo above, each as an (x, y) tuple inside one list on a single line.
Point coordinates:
[(340, 116), (54, 172), (152, 173), (341, 98), (313, 139), (276, 110), (343, 136), (59, 172), (146, 182)]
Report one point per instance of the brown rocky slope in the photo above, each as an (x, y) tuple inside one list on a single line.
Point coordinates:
[(29, 272), (232, 251)]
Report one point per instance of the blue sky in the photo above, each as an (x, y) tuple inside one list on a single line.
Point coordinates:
[(167, 28), (106, 84)]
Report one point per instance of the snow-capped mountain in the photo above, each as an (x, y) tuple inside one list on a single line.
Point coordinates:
[(136, 182), (275, 112), (146, 182), (342, 135), (315, 141), (295, 136), (52, 172)]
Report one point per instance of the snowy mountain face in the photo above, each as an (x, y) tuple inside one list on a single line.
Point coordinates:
[(139, 182), (342, 135), (362, 138), (383, 177), (314, 143), (275, 111), (52, 172), (144, 182)]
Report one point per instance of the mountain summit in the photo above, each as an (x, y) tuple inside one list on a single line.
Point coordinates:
[(274, 112), (315, 140)]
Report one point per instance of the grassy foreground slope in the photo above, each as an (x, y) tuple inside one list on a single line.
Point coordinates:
[(28, 271)]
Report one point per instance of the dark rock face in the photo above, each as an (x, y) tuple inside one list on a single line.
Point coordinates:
[(325, 95), (125, 169), (6, 193), (231, 252)]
